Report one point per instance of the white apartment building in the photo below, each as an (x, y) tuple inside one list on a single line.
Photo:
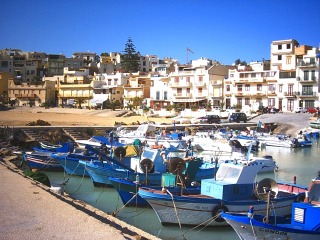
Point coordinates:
[(290, 82), (159, 90), (189, 86)]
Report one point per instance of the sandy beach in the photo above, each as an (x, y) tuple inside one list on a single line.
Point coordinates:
[(20, 116)]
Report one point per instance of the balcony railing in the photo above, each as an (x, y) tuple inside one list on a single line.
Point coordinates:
[(182, 95), (306, 94), (74, 95), (129, 96), (180, 84), (289, 94), (306, 64), (25, 95)]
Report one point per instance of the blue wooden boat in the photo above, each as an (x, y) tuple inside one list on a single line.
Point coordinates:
[(70, 162), (48, 147), (304, 222), (42, 161), (128, 190), (232, 189)]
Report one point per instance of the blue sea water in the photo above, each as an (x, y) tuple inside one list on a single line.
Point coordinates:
[(302, 163)]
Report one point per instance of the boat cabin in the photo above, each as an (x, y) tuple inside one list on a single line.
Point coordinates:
[(234, 181)]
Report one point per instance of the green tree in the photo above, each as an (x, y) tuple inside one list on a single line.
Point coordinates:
[(241, 63), (130, 58)]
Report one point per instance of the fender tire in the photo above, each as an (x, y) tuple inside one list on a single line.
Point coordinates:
[(300, 198), (217, 210)]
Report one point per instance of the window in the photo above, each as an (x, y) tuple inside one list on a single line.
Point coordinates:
[(247, 101), (307, 90), (279, 47), (165, 95), (188, 79), (305, 75), (157, 95), (239, 87), (200, 78), (313, 75), (188, 90), (288, 60), (280, 88), (271, 102), (290, 89), (279, 57), (176, 79), (259, 87), (4, 63), (288, 46), (239, 102), (228, 88), (272, 87), (179, 90), (247, 87)]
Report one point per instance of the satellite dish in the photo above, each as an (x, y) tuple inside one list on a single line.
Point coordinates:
[(265, 185), (120, 152), (146, 165), (177, 165)]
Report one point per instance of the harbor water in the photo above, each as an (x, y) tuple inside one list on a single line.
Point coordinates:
[(302, 163)]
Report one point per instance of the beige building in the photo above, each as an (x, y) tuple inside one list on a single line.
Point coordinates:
[(136, 91), (34, 94), (4, 79)]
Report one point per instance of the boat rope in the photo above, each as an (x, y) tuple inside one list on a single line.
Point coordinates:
[(134, 196), (176, 212), (71, 174), (80, 184), (104, 188), (253, 231), (203, 225)]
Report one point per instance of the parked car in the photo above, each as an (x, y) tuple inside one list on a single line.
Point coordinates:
[(196, 120), (216, 108), (180, 120), (312, 110), (300, 110), (238, 117), (210, 119), (274, 110)]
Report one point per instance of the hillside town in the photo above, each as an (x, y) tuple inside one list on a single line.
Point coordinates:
[(290, 79)]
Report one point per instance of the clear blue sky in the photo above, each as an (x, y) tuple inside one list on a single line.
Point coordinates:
[(223, 30)]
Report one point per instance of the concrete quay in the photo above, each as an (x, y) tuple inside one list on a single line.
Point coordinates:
[(30, 210)]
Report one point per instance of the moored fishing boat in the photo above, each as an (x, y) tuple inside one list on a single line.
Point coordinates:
[(233, 189), (303, 223), (149, 166), (42, 161)]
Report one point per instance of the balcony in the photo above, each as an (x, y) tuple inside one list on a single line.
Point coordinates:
[(74, 95), (25, 95), (289, 94), (182, 95), (306, 64), (306, 94), (133, 86), (132, 96), (312, 80), (200, 84), (180, 85), (271, 93)]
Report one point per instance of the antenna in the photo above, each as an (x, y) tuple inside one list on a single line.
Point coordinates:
[(188, 50)]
